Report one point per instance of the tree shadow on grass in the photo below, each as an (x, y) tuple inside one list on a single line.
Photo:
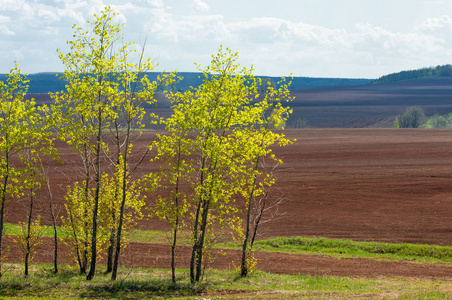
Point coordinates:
[(142, 289)]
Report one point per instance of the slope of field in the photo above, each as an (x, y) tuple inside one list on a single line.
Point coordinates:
[(390, 185), (372, 105), (368, 184)]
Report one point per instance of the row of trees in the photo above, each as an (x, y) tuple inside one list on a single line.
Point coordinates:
[(438, 71), (216, 148), (414, 117), (436, 121)]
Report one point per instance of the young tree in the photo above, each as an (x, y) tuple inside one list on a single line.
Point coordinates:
[(85, 109), (258, 139), (412, 117), (54, 221), (22, 138), (104, 95), (78, 224), (38, 143), (210, 136), (396, 123), (174, 149), (135, 89)]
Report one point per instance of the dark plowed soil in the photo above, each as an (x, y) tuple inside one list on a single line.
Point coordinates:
[(362, 184)]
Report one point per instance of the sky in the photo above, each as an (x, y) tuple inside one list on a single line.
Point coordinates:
[(313, 38)]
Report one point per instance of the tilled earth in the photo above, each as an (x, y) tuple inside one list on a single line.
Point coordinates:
[(389, 185)]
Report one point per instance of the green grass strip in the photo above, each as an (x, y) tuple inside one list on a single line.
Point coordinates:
[(354, 248), (324, 246)]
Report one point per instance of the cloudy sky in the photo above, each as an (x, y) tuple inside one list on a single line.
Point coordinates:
[(315, 38)]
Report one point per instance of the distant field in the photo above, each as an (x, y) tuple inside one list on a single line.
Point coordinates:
[(358, 106), (372, 105)]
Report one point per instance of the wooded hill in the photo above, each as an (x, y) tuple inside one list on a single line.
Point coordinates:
[(438, 71)]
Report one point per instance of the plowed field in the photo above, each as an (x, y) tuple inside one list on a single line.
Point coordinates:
[(388, 185)]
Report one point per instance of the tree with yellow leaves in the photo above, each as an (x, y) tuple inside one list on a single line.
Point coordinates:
[(214, 140), (103, 96), (24, 138), (259, 138)]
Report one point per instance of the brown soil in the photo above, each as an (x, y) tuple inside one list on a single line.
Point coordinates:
[(362, 184)]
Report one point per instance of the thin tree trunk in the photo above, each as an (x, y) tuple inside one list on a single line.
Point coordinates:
[(176, 225), (258, 220), (2, 215), (244, 266), (84, 259), (118, 242), (28, 247), (195, 227), (205, 214), (195, 245), (2, 211), (173, 252), (55, 232), (119, 233), (111, 248), (123, 203), (92, 269)]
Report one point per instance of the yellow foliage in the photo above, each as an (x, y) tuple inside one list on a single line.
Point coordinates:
[(29, 241)]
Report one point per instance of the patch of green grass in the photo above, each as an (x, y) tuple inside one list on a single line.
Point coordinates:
[(431, 253), (155, 284), (134, 235), (139, 236), (156, 237), (147, 236), (14, 229)]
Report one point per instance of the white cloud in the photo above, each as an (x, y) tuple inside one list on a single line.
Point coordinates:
[(438, 28), (48, 15), (12, 5), (200, 6), (433, 24), (155, 3), (4, 30), (279, 47), (179, 36), (4, 19)]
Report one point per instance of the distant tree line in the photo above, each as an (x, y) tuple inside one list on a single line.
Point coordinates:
[(414, 117), (438, 71), (436, 121)]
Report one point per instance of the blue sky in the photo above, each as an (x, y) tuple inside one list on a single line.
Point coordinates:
[(316, 38)]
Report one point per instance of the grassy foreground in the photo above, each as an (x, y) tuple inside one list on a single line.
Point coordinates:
[(138, 283), (154, 284)]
